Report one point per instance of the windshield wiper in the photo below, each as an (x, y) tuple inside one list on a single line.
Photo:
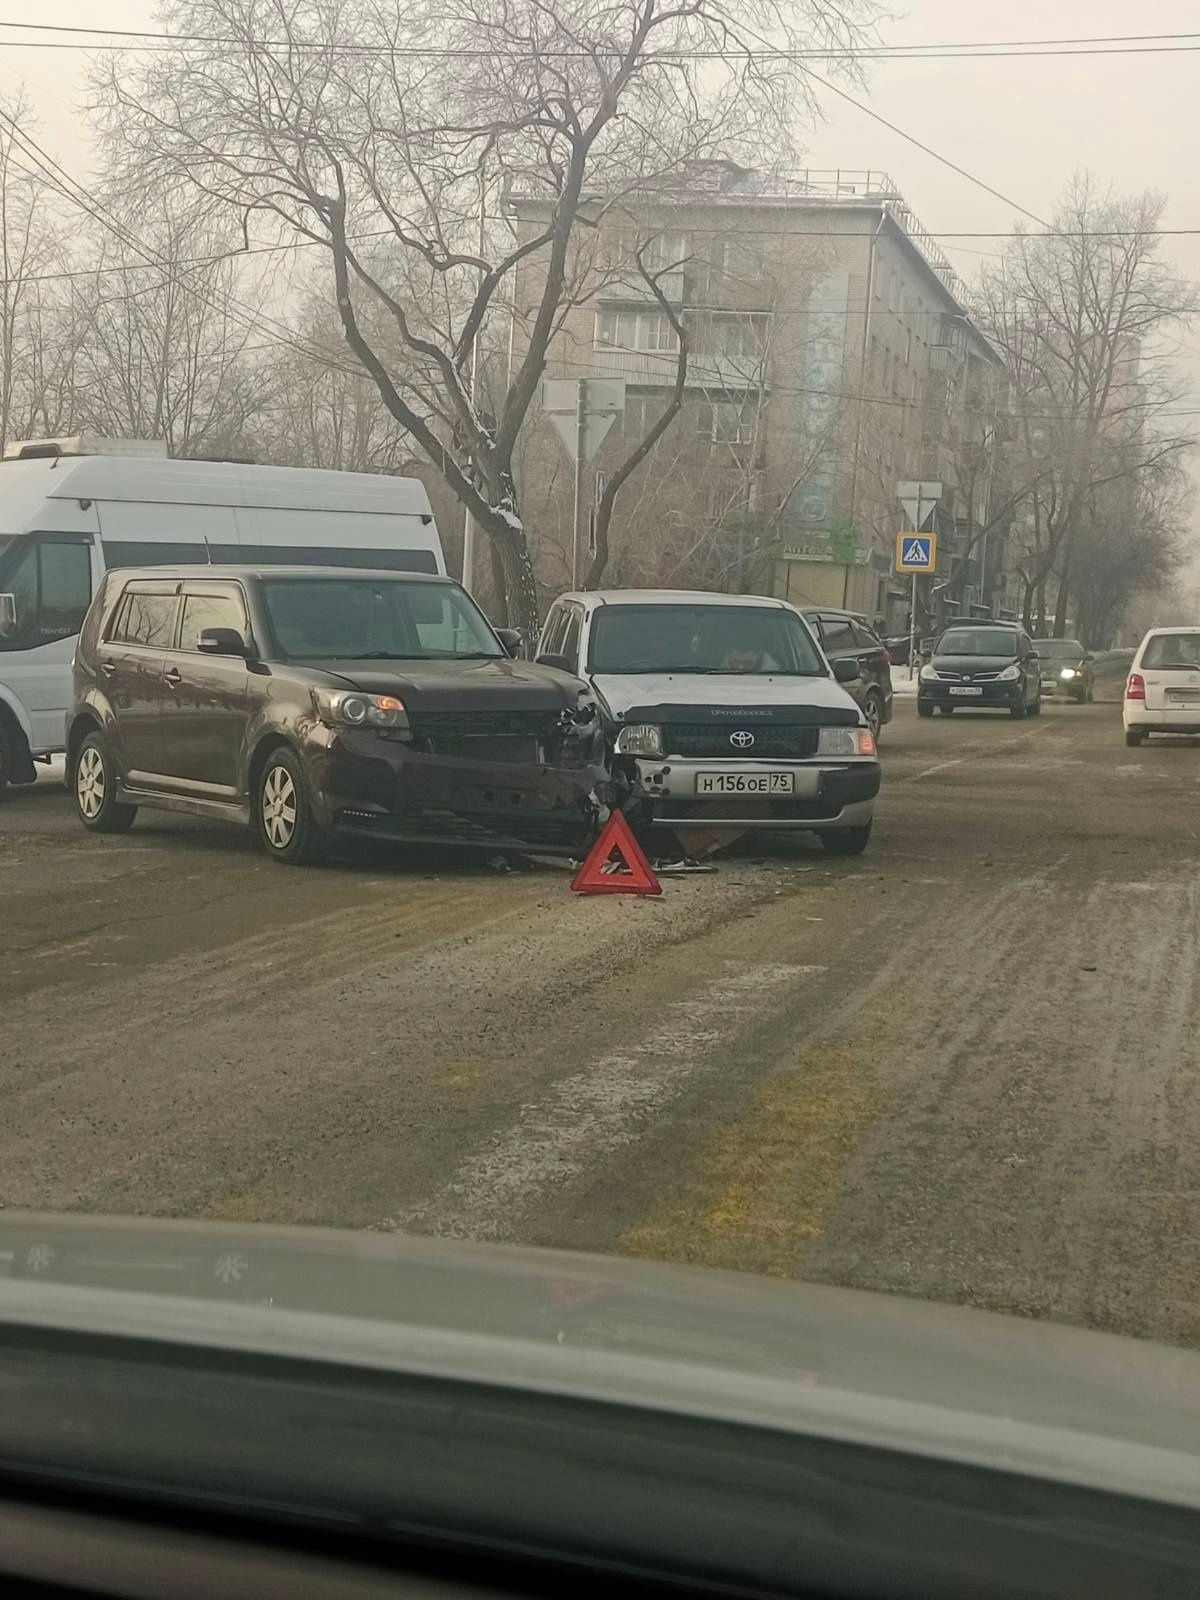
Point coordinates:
[(408, 655)]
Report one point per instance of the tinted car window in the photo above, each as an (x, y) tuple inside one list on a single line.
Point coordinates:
[(202, 611), (864, 639), (569, 648), (147, 619), (362, 618), (66, 587), (838, 633), (552, 635), (978, 642)]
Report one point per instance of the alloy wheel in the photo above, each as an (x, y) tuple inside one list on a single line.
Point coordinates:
[(91, 783), (279, 807)]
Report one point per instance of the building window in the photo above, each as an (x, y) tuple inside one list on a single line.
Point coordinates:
[(635, 330), (740, 260), (738, 338), (729, 421), (642, 411), (666, 250)]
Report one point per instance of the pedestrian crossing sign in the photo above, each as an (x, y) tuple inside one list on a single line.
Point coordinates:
[(916, 552)]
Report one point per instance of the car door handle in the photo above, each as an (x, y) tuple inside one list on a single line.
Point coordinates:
[(108, 668), (172, 677)]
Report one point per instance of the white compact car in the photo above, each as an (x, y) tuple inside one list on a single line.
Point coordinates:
[(1162, 692)]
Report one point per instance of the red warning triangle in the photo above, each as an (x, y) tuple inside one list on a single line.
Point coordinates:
[(599, 874)]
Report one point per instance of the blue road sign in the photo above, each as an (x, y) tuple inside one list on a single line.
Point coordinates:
[(916, 552)]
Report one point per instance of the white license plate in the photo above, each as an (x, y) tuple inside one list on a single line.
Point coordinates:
[(967, 689), (745, 783), (1183, 697)]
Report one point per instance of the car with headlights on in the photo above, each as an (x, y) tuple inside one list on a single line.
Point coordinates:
[(317, 702), (981, 666), (723, 711), (1066, 669)]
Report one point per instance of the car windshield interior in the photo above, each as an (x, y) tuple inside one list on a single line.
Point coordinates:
[(700, 638), (355, 619), (1173, 650), (978, 642), (1059, 649)]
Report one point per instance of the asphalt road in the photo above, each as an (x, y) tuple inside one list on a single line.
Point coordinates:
[(966, 1066)]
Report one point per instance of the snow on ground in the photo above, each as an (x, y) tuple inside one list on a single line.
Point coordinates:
[(903, 681)]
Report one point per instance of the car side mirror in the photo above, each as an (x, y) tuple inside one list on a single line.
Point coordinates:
[(221, 642), (559, 663), (845, 671), (511, 639), (8, 615)]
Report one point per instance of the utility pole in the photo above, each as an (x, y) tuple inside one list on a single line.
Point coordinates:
[(468, 561), (581, 416)]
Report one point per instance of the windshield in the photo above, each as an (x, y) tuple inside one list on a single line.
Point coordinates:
[(702, 638), (354, 619), (1059, 649), (1167, 650), (978, 642)]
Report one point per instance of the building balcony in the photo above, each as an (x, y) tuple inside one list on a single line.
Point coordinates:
[(630, 288), (656, 369)]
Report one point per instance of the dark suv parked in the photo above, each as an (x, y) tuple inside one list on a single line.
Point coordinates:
[(845, 636), (315, 701)]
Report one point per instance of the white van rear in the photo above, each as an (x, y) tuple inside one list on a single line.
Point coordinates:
[(70, 509)]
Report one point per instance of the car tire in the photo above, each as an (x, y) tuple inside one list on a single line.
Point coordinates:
[(924, 709), (1018, 709), (94, 788), (1134, 737), (1035, 710), (873, 711), (6, 756), (283, 812), (846, 841)]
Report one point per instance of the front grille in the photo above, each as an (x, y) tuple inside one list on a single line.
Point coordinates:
[(772, 741), (484, 724)]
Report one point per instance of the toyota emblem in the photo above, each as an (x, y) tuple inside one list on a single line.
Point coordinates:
[(742, 739)]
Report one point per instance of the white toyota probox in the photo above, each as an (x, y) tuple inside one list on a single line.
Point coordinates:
[(1162, 692), (724, 712)]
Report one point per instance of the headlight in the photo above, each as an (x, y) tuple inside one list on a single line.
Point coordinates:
[(928, 675), (1009, 675), (640, 739), (1067, 672), (349, 708), (845, 742)]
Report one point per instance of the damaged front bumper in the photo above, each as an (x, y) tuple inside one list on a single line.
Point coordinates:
[(824, 794), (363, 783)]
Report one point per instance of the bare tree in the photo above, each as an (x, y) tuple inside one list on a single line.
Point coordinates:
[(372, 129), (36, 343), (167, 354), (1078, 311)]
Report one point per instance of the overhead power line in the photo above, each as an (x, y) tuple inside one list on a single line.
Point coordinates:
[(75, 193), (1114, 44)]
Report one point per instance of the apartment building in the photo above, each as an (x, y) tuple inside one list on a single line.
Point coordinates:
[(832, 353)]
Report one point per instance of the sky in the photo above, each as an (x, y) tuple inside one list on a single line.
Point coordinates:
[(1021, 125)]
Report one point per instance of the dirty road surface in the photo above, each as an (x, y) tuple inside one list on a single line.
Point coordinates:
[(965, 1067)]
